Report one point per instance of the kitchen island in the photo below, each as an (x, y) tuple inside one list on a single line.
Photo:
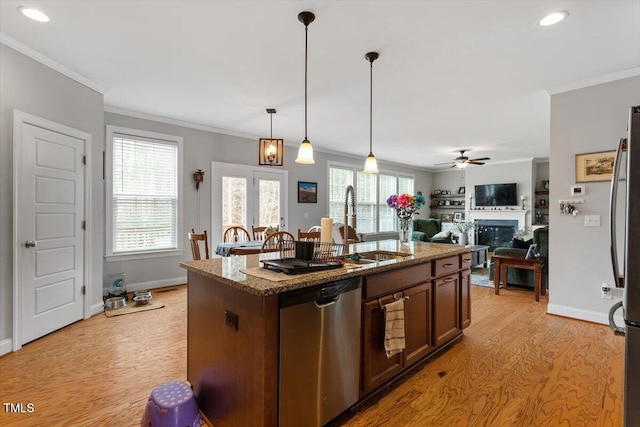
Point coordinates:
[(234, 322)]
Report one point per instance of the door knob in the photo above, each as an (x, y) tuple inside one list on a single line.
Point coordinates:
[(30, 244)]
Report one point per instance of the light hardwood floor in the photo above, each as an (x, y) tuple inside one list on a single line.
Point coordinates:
[(516, 366)]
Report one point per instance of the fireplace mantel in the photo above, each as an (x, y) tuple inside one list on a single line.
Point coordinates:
[(519, 215)]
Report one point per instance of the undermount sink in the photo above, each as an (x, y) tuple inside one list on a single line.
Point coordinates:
[(373, 256)]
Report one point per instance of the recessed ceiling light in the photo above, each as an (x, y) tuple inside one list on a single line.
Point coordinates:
[(553, 18), (35, 14)]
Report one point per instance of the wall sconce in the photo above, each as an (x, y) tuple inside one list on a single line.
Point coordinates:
[(198, 177), (270, 151)]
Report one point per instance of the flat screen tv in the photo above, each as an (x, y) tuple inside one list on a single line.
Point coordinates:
[(496, 195)]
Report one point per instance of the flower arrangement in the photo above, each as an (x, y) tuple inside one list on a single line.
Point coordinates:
[(464, 226), (405, 204)]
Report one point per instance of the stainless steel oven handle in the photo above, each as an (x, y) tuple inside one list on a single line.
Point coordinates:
[(622, 146)]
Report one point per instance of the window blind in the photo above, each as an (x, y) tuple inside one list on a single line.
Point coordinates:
[(144, 194)]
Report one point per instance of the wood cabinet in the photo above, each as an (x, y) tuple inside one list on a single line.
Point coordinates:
[(445, 309), (432, 315), (376, 367), (465, 298), (417, 318)]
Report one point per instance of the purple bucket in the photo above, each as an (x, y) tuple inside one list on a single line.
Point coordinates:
[(172, 404)]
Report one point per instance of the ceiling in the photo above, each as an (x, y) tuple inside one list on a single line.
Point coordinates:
[(451, 74)]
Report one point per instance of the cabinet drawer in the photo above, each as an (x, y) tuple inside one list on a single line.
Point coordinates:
[(446, 265), (466, 260), (392, 281)]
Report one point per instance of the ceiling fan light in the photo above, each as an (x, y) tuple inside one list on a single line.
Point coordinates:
[(370, 164), (305, 153), (461, 165), (553, 18)]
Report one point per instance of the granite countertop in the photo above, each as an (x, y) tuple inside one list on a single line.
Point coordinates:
[(227, 269)]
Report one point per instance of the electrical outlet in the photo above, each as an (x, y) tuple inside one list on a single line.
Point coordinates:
[(231, 319), (606, 291), (592, 220)]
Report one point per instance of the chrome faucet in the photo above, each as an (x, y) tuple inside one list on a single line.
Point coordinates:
[(345, 234)]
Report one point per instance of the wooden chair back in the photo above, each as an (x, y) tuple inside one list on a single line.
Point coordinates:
[(282, 241), (194, 240), (259, 233), (314, 228), (236, 234), (308, 236)]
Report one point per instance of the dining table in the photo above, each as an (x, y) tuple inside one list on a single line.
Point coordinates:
[(239, 248)]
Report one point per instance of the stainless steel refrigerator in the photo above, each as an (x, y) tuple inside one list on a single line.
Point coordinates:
[(625, 258)]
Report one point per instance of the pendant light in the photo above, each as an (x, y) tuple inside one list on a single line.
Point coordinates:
[(305, 152), (371, 164), (270, 151)]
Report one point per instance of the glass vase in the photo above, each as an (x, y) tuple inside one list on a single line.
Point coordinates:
[(404, 229)]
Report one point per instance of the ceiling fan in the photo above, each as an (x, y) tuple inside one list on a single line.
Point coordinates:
[(462, 161)]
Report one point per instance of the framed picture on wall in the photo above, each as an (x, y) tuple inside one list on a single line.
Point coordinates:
[(307, 192), (591, 167), (446, 217)]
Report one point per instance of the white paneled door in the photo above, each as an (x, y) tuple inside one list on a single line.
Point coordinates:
[(50, 231)]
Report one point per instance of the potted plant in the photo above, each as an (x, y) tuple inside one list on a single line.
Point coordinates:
[(463, 228)]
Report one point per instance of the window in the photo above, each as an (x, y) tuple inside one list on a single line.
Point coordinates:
[(144, 186), (372, 191)]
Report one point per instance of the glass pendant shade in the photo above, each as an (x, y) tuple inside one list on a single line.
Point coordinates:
[(371, 164), (461, 165), (305, 153)]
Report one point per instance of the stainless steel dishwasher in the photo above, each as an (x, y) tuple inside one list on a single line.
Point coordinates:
[(319, 352)]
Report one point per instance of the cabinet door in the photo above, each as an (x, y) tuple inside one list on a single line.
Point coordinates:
[(417, 323), (465, 298), (376, 367), (446, 308)]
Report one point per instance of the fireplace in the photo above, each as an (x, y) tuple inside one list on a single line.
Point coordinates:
[(495, 232)]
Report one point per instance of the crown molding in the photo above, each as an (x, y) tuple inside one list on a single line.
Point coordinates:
[(593, 81), (45, 60), (176, 122)]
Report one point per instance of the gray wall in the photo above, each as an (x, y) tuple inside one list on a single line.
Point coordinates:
[(33, 88), (200, 149), (582, 121)]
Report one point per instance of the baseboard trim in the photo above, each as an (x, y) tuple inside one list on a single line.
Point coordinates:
[(152, 284), (580, 314), (97, 308), (6, 346)]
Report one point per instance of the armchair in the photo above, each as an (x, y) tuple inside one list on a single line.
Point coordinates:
[(430, 230), (519, 276)]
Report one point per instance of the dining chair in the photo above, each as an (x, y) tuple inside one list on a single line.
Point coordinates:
[(314, 228), (281, 241), (259, 233), (194, 240), (308, 236), (236, 234)]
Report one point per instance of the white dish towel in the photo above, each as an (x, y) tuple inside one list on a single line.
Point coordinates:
[(394, 327)]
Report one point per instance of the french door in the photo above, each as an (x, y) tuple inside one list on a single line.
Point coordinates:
[(245, 196)]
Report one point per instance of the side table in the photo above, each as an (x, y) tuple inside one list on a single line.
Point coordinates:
[(518, 261)]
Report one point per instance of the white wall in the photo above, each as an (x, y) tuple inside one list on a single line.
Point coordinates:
[(29, 86), (202, 147), (583, 121)]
